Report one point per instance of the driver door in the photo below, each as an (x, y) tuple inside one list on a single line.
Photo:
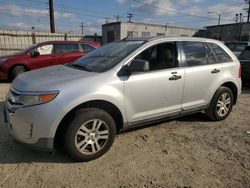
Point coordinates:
[(46, 57), (158, 92)]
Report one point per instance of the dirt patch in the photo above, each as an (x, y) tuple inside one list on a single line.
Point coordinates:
[(186, 152)]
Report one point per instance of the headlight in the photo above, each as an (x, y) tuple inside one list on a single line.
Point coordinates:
[(2, 59), (30, 99)]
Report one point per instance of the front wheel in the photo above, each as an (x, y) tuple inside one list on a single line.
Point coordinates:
[(19, 69), (90, 135), (221, 104)]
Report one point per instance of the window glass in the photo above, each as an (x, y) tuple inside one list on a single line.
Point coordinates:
[(67, 47), (162, 56), (220, 55), (45, 49), (160, 34), (132, 34), (106, 57), (240, 47), (87, 47), (210, 56), (245, 54), (195, 53), (145, 34)]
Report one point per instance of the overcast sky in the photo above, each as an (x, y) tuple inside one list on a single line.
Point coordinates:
[(23, 14)]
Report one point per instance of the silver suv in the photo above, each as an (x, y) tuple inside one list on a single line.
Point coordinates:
[(122, 84)]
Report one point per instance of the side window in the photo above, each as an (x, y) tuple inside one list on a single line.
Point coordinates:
[(162, 56), (220, 55), (87, 47), (195, 53), (45, 49), (210, 55), (66, 48)]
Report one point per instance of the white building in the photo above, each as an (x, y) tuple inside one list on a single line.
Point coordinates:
[(119, 30)]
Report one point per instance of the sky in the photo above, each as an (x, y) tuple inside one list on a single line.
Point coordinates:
[(69, 14)]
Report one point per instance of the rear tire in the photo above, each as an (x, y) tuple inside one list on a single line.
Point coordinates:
[(90, 135), (221, 104), (19, 69)]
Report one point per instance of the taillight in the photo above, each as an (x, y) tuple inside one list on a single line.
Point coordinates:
[(240, 72)]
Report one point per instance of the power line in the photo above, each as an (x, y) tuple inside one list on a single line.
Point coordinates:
[(174, 11), (25, 12)]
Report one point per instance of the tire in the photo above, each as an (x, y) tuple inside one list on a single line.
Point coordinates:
[(19, 69), (83, 142), (221, 104)]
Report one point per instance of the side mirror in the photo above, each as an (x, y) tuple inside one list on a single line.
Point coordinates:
[(137, 65), (34, 53)]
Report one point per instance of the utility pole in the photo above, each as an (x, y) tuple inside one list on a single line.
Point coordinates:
[(106, 20), (117, 18), (130, 16), (248, 12), (82, 26), (51, 16)]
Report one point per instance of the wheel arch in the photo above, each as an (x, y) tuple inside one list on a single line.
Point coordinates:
[(109, 107), (233, 88), (13, 66)]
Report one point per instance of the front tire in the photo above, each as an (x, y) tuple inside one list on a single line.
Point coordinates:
[(19, 69), (90, 135), (221, 104)]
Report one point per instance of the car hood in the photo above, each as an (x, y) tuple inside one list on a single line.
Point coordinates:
[(49, 78)]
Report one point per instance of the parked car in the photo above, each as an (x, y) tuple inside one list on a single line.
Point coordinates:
[(43, 55), (245, 65), (120, 85), (237, 47)]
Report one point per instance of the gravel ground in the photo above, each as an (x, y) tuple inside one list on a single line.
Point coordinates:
[(186, 152)]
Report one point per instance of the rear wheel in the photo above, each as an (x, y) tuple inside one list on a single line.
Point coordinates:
[(19, 69), (90, 135), (221, 104)]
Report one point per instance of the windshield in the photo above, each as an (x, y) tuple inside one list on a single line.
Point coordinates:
[(245, 54), (27, 49), (236, 46), (106, 57)]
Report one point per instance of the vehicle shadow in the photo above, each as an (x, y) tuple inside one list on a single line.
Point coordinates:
[(246, 90), (197, 117), (5, 82), (13, 152)]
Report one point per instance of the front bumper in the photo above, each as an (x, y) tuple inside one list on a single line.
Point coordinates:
[(23, 132), (34, 125)]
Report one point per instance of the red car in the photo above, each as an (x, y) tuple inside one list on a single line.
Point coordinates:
[(43, 55)]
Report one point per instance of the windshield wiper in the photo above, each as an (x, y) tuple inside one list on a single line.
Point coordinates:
[(80, 67)]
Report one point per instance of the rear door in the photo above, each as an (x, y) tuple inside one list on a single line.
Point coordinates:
[(68, 52), (202, 75)]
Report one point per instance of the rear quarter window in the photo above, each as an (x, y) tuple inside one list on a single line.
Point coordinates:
[(221, 55)]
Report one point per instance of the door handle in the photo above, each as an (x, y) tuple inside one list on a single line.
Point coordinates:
[(215, 71), (175, 77)]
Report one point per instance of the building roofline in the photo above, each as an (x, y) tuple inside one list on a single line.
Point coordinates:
[(230, 24), (150, 24)]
